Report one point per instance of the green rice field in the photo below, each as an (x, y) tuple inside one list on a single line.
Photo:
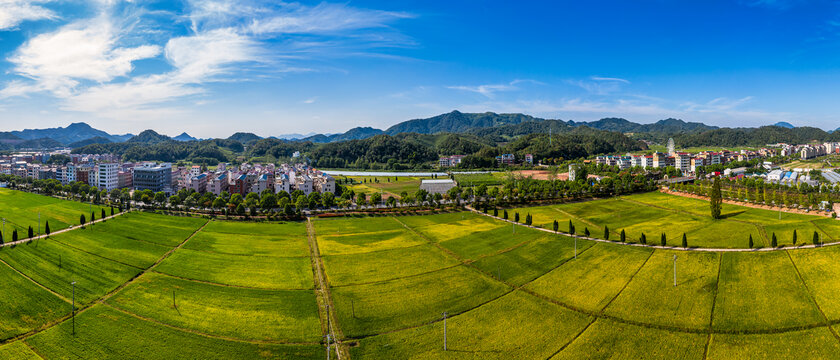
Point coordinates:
[(152, 286)]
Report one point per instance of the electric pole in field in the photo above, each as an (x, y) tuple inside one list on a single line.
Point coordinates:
[(675, 270), (74, 307), (444, 331)]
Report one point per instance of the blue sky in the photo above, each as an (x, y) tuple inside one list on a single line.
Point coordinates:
[(213, 67)]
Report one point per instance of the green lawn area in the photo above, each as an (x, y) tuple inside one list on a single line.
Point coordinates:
[(401, 303), (515, 326), (389, 186), (592, 280), (607, 339), (105, 241), (21, 209), (761, 291), (248, 271), (17, 351), (105, 333), (25, 306), (270, 315), (816, 343), (652, 298), (489, 179)]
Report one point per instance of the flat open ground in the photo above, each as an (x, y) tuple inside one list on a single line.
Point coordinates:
[(230, 290)]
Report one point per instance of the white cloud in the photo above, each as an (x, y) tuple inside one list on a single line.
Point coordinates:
[(83, 50), (14, 12), (486, 90), (323, 18), (600, 85)]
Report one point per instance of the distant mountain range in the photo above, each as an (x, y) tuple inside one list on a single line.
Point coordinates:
[(499, 127)]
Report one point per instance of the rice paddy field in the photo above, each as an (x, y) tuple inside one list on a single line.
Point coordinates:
[(656, 213), (21, 209), (160, 287)]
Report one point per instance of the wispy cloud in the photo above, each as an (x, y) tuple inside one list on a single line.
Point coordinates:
[(600, 85), (14, 12), (490, 90), (772, 4)]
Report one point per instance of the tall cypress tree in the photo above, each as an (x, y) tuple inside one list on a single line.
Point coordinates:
[(606, 233), (643, 239), (47, 228), (751, 241), (571, 227), (556, 225), (685, 242), (623, 236), (715, 200), (773, 241), (662, 240), (794, 237), (816, 238)]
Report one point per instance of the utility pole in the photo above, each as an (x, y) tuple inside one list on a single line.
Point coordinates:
[(74, 307), (39, 223), (675, 270), (444, 331)]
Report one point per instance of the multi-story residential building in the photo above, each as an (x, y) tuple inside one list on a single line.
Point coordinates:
[(107, 176), (506, 159), (282, 183), (198, 183), (325, 184), (304, 183), (154, 177), (218, 184), (238, 184), (83, 174), (450, 161), (529, 158), (125, 179), (682, 161), (262, 183), (659, 160)]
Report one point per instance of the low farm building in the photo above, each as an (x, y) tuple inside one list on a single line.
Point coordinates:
[(437, 186)]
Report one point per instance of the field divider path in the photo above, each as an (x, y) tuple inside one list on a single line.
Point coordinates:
[(103, 298), (714, 302), (811, 295), (573, 216), (42, 236), (329, 323), (573, 339), (675, 248), (827, 234)]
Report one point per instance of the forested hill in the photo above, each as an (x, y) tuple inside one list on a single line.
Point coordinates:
[(755, 136), (457, 121)]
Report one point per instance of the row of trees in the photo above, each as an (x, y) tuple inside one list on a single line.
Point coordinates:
[(757, 191)]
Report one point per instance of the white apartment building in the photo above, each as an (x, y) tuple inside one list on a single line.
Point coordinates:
[(107, 176), (683, 162), (304, 183)]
